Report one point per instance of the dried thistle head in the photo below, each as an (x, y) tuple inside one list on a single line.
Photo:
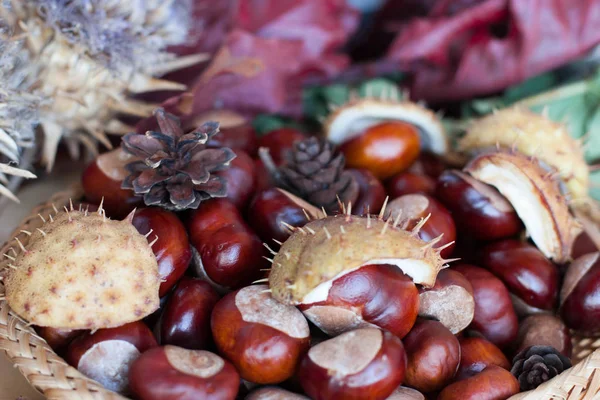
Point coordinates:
[(81, 60)]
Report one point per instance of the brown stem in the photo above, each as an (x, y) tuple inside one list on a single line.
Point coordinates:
[(271, 167)]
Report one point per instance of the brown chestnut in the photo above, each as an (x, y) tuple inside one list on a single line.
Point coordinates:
[(406, 393), (279, 142), (226, 251), (415, 207), (237, 137), (495, 317), (274, 393), (373, 295), (371, 194), (544, 330), (106, 355), (174, 373), (429, 164), (58, 339), (101, 181), (172, 246), (493, 383), (478, 209), (361, 364), (241, 179), (477, 353), (525, 271), (267, 212), (580, 294), (409, 183), (450, 300), (433, 354), (185, 321), (263, 338)]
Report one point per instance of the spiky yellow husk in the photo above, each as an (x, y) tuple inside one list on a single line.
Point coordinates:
[(80, 85), (533, 135)]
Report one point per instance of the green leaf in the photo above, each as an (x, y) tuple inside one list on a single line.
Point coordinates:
[(265, 123)]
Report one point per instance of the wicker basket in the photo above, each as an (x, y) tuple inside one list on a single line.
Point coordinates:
[(50, 374)]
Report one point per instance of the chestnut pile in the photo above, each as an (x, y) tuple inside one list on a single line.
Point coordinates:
[(424, 280)]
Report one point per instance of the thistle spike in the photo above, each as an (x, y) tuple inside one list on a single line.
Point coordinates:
[(71, 204), (349, 211), (51, 219), (261, 281), (270, 249), (11, 266), (433, 242), (327, 233), (324, 212), (130, 216), (41, 231), (420, 225), (278, 242), (26, 232), (368, 220), (341, 204), (42, 218), (383, 207), (54, 208), (301, 230), (100, 209), (80, 208), (397, 220), (451, 260), (154, 241), (13, 250), (288, 226), (287, 255), (268, 259), (23, 249), (9, 257), (266, 291), (310, 230), (265, 269), (149, 233)]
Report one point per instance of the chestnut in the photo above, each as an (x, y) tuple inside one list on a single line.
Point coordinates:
[(433, 354), (279, 142), (268, 211), (58, 339), (274, 393), (361, 364), (450, 300), (174, 373), (371, 195), (172, 246), (584, 244), (227, 252), (479, 209), (185, 321), (495, 317), (415, 207), (477, 353), (372, 295), (241, 179), (263, 338), (102, 179), (544, 330), (580, 294), (106, 355), (239, 137), (525, 270), (493, 383), (409, 183), (429, 164)]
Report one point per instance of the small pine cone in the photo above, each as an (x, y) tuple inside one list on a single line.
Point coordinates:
[(535, 365), (314, 172)]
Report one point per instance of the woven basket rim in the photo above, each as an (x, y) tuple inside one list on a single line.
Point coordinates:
[(52, 376)]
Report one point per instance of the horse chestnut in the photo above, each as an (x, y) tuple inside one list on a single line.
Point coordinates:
[(493, 383), (476, 354)]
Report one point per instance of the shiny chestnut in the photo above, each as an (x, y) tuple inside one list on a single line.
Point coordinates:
[(373, 295), (185, 321), (240, 178), (477, 353), (279, 142), (106, 355), (409, 183), (495, 317), (264, 339), (371, 195), (580, 294), (433, 354), (493, 383), (170, 243), (363, 363), (174, 373), (478, 209)]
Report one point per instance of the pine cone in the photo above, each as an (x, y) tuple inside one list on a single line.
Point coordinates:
[(176, 171), (535, 365), (315, 173)]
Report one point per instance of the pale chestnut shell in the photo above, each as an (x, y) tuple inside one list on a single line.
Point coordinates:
[(533, 135), (324, 249), (536, 197), (84, 272)]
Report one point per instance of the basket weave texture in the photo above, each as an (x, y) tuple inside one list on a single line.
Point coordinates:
[(50, 374)]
